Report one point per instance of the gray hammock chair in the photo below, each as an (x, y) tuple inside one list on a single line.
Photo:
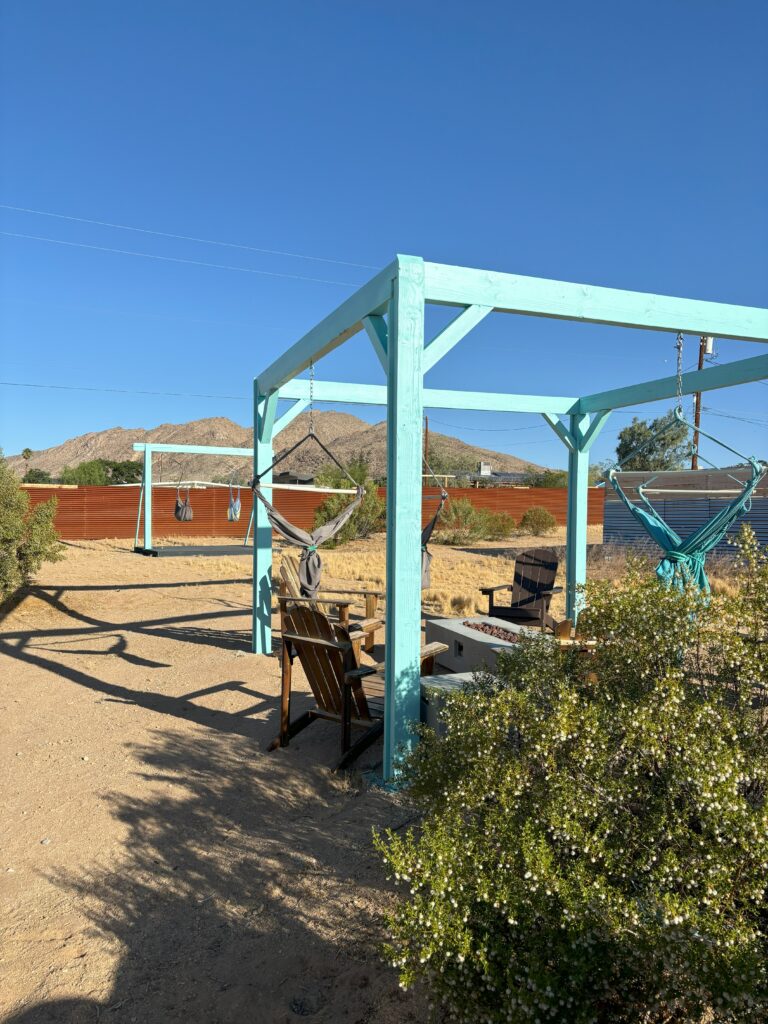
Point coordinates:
[(310, 563), (426, 533)]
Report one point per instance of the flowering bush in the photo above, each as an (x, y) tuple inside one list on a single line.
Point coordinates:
[(594, 845)]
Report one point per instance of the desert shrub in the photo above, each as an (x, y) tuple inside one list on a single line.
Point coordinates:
[(27, 536), (462, 523), (538, 521), (594, 841), (497, 525), (369, 516), (459, 523)]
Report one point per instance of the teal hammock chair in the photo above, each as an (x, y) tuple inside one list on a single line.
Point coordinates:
[(683, 559)]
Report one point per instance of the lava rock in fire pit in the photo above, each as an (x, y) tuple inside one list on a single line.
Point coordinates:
[(496, 631)]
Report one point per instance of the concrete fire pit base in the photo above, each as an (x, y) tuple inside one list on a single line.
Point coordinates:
[(469, 649)]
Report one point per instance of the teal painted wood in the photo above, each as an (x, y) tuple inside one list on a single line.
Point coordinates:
[(267, 413), (290, 415), (147, 483), (404, 417), (534, 296), (262, 531), (742, 371), (138, 513), (590, 435), (192, 449), (376, 394), (450, 336), (576, 538), (561, 430), (376, 329), (331, 332)]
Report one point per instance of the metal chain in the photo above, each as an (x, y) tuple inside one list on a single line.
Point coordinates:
[(311, 396), (679, 347)]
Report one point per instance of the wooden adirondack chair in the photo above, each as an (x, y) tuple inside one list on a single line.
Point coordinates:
[(343, 691), (291, 586), (532, 589)]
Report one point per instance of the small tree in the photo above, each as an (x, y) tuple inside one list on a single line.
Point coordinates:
[(667, 451), (92, 473), (368, 518), (545, 478), (125, 472), (27, 536), (37, 476), (27, 454)]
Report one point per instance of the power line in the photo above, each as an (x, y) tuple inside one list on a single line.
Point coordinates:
[(119, 391), (176, 259), (187, 238)]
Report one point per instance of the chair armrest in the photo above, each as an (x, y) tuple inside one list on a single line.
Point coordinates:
[(312, 600), (353, 590), (430, 650), (316, 641), (368, 625), (492, 590), (354, 676), (552, 590)]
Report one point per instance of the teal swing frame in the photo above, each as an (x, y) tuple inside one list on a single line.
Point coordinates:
[(390, 309)]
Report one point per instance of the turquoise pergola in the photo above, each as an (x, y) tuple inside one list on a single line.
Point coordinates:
[(390, 309)]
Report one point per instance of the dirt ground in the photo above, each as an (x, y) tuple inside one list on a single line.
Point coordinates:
[(157, 863)]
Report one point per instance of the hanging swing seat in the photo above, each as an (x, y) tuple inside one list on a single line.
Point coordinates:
[(684, 558), (310, 563)]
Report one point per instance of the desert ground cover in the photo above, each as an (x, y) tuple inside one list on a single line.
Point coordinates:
[(157, 863)]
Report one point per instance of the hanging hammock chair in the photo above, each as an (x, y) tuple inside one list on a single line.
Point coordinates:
[(183, 508), (310, 563), (235, 505), (426, 533), (684, 558)]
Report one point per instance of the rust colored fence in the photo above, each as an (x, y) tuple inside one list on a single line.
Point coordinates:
[(97, 513)]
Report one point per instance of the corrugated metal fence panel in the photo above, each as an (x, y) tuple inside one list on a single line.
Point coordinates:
[(96, 513), (517, 500), (684, 516)]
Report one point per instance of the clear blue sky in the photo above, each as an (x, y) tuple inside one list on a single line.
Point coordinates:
[(599, 142)]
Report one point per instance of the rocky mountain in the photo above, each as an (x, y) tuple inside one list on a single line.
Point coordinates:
[(347, 435)]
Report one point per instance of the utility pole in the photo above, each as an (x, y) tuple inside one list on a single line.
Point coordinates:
[(706, 346)]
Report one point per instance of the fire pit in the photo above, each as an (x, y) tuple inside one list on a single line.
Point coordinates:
[(472, 642)]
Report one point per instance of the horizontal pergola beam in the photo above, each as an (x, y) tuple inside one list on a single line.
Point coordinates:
[(433, 398), (534, 296), (194, 449), (743, 371), (334, 330)]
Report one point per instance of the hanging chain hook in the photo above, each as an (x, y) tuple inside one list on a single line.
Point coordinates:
[(679, 347), (311, 396)]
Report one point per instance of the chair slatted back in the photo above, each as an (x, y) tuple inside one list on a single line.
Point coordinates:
[(535, 570), (324, 666), (289, 572)]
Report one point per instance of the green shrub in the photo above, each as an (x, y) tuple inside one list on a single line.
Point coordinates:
[(27, 537), (369, 516), (459, 523), (36, 476), (497, 525), (538, 521), (595, 837)]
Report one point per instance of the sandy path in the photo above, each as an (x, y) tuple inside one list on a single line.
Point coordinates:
[(156, 863)]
